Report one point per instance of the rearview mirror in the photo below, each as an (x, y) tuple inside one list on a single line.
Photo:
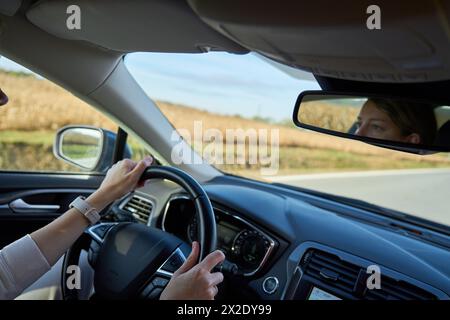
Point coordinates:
[(396, 123)]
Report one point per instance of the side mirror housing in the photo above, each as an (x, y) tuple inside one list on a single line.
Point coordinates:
[(85, 147)]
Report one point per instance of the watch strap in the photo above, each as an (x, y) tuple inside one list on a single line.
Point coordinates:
[(90, 213)]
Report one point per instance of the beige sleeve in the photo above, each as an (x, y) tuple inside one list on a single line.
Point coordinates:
[(21, 264)]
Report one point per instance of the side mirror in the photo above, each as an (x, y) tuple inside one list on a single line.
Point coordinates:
[(88, 148), (403, 124)]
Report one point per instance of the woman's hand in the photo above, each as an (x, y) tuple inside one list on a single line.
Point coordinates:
[(195, 282), (122, 178)]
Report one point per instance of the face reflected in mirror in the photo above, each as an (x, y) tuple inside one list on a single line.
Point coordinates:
[(389, 119), (379, 119)]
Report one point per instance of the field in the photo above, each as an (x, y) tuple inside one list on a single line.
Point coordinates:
[(38, 108)]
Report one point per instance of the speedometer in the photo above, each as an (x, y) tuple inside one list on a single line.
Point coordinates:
[(250, 247)]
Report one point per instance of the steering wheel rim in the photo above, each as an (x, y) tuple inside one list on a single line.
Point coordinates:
[(204, 211)]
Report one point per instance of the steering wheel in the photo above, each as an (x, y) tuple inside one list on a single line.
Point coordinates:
[(131, 260)]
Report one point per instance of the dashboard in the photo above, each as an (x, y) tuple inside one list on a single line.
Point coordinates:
[(294, 245)]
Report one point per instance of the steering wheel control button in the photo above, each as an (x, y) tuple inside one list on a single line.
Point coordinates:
[(98, 231), (270, 285), (147, 290), (160, 282), (155, 293), (174, 262), (101, 230)]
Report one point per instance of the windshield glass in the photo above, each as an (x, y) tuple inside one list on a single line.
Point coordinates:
[(236, 111)]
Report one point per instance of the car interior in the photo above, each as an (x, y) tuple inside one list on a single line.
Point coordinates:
[(281, 242)]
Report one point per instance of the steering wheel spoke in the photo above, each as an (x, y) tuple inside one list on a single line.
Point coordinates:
[(172, 264), (163, 275), (98, 231)]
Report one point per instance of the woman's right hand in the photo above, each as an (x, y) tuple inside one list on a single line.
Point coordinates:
[(195, 281)]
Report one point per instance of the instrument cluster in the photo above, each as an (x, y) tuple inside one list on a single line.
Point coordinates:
[(242, 242)]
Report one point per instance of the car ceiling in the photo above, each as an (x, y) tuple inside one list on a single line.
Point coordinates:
[(331, 39), (326, 38)]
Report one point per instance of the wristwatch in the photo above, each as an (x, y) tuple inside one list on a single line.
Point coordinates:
[(86, 209)]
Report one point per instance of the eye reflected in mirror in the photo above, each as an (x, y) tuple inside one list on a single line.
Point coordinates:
[(81, 146), (411, 124)]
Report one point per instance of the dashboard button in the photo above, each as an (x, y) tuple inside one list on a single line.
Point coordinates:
[(270, 285)]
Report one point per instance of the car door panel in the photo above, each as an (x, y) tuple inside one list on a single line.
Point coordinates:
[(28, 201)]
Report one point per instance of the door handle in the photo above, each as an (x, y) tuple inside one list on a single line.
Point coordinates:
[(20, 206)]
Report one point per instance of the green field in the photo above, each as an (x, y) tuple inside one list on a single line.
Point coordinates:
[(33, 150)]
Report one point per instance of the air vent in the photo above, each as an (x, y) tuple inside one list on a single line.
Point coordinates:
[(398, 290), (139, 207), (330, 270)]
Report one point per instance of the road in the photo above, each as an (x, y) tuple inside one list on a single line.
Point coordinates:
[(420, 192)]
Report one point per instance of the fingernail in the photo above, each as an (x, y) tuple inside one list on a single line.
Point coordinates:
[(148, 161)]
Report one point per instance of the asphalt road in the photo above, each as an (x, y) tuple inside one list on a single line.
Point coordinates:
[(420, 192)]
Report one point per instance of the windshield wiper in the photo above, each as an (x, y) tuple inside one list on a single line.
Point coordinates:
[(360, 204)]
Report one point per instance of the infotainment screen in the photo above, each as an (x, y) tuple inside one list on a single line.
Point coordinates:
[(319, 294)]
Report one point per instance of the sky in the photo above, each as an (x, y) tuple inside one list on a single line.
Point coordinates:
[(7, 64), (218, 82)]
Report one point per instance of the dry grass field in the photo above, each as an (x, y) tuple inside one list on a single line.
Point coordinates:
[(36, 104), (37, 108), (329, 116)]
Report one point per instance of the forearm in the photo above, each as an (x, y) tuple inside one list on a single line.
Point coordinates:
[(55, 238)]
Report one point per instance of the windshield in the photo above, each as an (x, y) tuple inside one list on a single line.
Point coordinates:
[(236, 111)]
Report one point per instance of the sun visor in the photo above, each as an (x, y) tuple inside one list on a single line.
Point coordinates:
[(403, 42), (130, 26)]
